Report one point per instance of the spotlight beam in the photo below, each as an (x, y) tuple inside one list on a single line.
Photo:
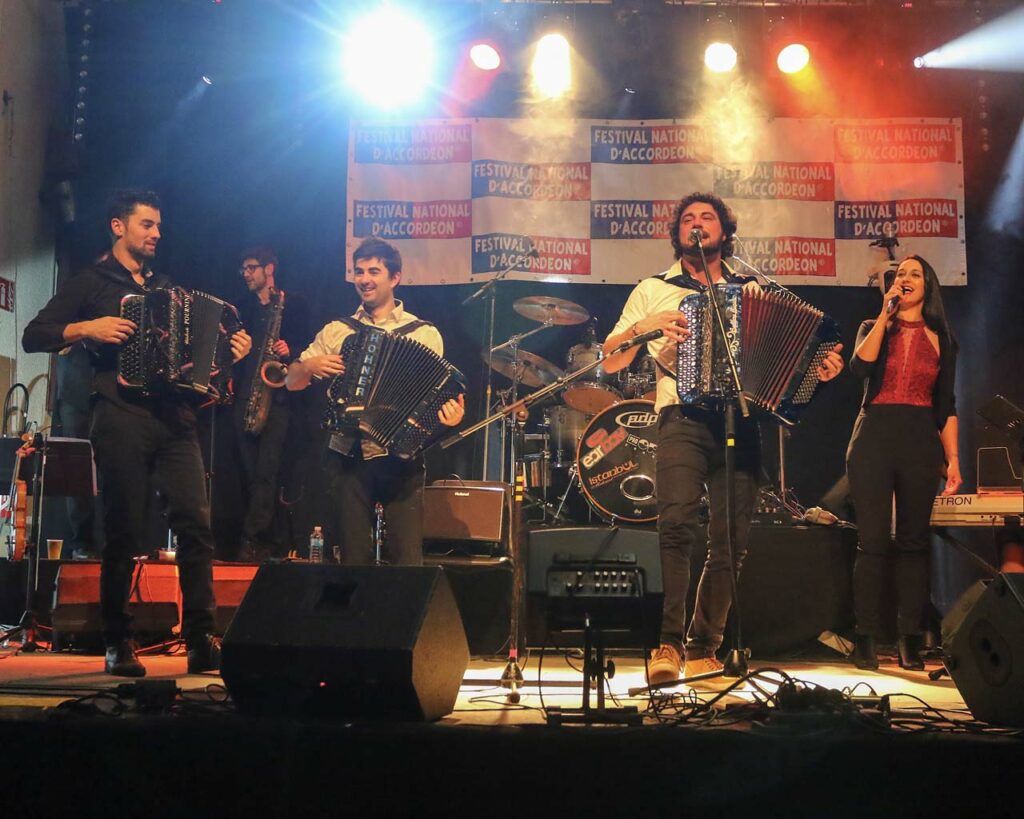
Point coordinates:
[(995, 46)]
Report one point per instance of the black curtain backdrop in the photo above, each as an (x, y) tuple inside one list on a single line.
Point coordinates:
[(260, 157)]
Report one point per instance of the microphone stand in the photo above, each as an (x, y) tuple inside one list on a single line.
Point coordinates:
[(489, 289), (736, 662)]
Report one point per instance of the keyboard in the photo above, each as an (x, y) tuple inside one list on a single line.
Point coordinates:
[(985, 509)]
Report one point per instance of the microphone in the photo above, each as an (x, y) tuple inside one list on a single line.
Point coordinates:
[(894, 302), (643, 338), (533, 254), (696, 235)]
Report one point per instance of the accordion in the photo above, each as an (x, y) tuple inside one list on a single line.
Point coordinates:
[(777, 340), (391, 391), (182, 343)]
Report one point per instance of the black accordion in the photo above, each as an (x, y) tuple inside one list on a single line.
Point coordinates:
[(391, 391), (777, 340), (182, 343)]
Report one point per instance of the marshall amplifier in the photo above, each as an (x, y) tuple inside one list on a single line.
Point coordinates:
[(466, 518)]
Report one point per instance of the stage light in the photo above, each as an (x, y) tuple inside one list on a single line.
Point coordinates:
[(391, 75), (793, 58), (551, 68), (720, 57), (207, 79), (485, 56), (994, 46)]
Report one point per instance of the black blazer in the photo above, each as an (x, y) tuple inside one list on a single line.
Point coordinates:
[(943, 393)]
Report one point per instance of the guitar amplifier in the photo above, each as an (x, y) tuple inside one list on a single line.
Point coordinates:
[(466, 517)]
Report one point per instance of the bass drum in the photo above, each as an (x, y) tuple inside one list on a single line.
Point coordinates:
[(616, 462)]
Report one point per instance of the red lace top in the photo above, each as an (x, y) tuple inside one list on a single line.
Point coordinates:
[(911, 366)]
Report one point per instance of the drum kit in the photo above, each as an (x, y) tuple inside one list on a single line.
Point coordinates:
[(600, 441)]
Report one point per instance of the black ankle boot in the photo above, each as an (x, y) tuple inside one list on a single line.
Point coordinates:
[(121, 660), (909, 648), (203, 654), (864, 654)]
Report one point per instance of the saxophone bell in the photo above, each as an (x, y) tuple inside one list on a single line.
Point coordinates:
[(273, 374)]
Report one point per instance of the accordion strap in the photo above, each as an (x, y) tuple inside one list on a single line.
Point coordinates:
[(404, 330)]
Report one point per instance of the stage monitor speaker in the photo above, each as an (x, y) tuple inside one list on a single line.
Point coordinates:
[(154, 602), (612, 572), (346, 642), (465, 517), (483, 591), (983, 648)]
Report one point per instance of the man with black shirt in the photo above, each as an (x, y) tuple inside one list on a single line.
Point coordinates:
[(259, 451), (137, 440)]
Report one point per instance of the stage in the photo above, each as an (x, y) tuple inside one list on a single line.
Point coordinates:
[(73, 740)]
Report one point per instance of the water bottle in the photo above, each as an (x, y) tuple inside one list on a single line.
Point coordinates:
[(316, 545)]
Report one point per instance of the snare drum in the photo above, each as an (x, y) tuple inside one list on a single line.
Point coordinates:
[(641, 381), (593, 391), (565, 426), (616, 462)]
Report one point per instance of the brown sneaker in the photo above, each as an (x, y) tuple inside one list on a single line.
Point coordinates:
[(705, 665), (664, 666)]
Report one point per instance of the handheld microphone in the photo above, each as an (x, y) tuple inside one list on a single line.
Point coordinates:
[(696, 235), (643, 338), (533, 253), (894, 302)]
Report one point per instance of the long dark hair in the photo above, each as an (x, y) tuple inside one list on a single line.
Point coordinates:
[(933, 310)]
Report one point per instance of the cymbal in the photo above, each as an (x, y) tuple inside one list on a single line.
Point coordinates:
[(534, 371), (550, 310)]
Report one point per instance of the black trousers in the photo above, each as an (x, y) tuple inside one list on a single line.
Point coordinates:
[(135, 453), (260, 460), (356, 486), (895, 451), (691, 458)]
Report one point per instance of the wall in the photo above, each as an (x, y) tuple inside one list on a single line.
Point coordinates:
[(33, 79)]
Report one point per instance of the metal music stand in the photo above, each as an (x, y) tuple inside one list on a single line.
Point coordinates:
[(1008, 418), (61, 467)]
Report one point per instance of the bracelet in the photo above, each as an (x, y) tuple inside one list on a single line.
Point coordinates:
[(633, 330)]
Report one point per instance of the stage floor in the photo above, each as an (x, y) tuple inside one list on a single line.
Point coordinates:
[(32, 683), (69, 745)]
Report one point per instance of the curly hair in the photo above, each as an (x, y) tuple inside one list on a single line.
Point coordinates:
[(725, 216)]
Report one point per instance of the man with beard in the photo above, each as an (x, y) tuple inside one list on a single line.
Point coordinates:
[(259, 452), (691, 443), (137, 440), (362, 474)]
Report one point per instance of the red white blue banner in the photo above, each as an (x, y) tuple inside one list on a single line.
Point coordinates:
[(463, 199)]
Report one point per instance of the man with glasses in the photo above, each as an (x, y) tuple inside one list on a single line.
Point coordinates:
[(258, 453)]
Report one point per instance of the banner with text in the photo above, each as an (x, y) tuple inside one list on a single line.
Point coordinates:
[(577, 200)]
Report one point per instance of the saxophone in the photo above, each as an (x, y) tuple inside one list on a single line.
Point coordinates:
[(271, 373)]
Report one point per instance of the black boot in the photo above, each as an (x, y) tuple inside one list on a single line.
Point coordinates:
[(122, 660), (203, 654), (909, 648), (864, 654)]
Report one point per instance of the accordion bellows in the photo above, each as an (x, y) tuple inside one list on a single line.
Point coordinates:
[(777, 339), (391, 391), (182, 343)]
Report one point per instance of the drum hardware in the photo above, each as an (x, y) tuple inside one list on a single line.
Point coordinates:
[(523, 367)]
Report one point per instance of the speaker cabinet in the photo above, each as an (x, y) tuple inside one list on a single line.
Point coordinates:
[(346, 642), (626, 566), (466, 517), (983, 647), (483, 591), (154, 603)]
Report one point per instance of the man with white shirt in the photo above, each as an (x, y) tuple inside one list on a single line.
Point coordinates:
[(362, 474), (691, 443)]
